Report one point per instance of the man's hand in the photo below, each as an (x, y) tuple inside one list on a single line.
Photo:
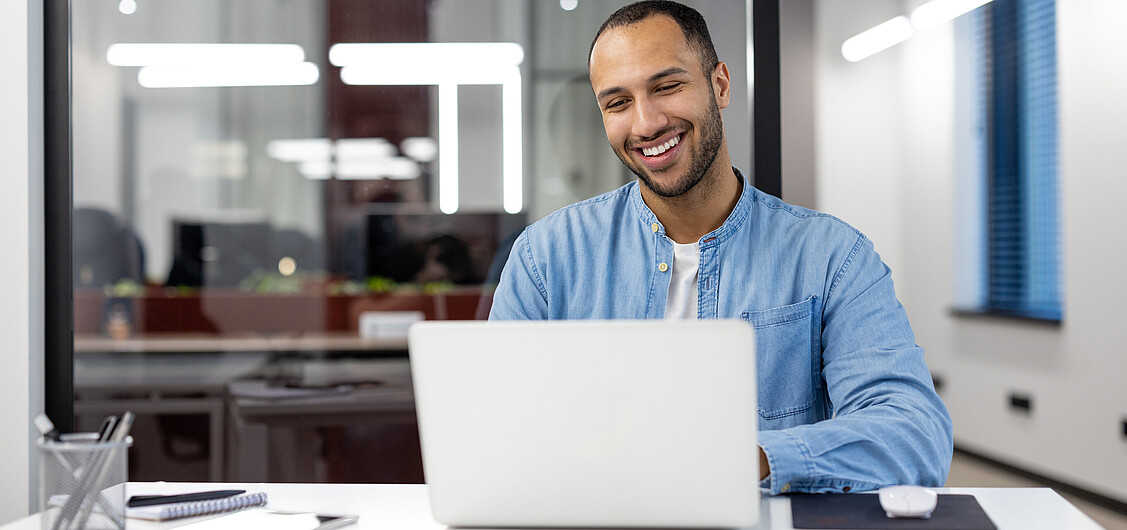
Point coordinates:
[(764, 467)]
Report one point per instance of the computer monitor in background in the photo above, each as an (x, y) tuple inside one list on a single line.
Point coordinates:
[(435, 247), (218, 253)]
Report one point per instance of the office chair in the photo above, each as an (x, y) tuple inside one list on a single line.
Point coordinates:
[(105, 250)]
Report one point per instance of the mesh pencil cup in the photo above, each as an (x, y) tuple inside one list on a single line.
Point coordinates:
[(82, 482)]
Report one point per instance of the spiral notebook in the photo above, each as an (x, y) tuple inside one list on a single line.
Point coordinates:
[(180, 510)]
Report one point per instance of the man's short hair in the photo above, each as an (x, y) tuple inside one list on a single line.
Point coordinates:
[(690, 20)]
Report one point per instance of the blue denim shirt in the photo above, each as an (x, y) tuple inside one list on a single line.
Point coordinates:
[(846, 402)]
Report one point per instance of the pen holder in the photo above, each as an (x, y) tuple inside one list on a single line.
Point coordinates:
[(82, 482)]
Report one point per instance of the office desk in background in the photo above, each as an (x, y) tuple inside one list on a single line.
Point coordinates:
[(191, 349), (208, 375), (404, 507), (245, 342)]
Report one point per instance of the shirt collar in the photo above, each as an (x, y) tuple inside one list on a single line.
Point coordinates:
[(731, 224)]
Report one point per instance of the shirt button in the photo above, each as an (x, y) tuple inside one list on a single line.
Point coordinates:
[(655, 227), (785, 488), (663, 267)]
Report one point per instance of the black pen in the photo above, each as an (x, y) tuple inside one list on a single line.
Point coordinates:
[(154, 500), (107, 428)]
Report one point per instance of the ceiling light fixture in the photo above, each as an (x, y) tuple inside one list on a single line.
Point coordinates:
[(449, 65), (880, 37), (900, 29), (228, 75), (199, 54), (194, 65)]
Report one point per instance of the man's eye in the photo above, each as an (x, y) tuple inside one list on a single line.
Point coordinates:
[(670, 86), (616, 103)]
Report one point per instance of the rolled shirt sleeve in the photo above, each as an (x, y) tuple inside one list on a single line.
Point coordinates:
[(888, 425)]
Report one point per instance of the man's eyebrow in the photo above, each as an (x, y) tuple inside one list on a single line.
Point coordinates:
[(609, 92), (672, 70)]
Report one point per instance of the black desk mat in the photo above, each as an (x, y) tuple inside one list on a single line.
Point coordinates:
[(861, 510)]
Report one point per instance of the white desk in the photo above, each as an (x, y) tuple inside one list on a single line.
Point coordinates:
[(407, 507)]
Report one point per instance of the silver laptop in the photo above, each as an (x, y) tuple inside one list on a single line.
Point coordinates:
[(588, 423)]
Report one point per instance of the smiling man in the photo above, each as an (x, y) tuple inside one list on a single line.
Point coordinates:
[(846, 402)]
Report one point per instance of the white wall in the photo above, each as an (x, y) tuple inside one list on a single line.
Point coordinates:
[(858, 130), (21, 266), (886, 164)]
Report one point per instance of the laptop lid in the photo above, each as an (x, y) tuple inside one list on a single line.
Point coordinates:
[(588, 423)]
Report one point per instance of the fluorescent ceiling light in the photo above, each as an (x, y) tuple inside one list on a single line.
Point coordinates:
[(395, 168), (900, 29), (427, 63), (316, 170), (228, 75), (364, 149), (420, 148), (347, 158), (512, 147), (313, 149), (436, 55), (198, 54), (448, 148), (449, 65), (300, 150), (937, 12), (421, 74), (878, 38)]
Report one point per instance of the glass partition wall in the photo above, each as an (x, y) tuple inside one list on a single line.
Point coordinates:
[(267, 192)]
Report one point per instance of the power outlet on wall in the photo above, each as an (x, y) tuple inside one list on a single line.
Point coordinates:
[(1021, 402)]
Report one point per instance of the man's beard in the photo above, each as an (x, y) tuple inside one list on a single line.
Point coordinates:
[(702, 155)]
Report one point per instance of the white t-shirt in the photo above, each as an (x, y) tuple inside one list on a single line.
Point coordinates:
[(682, 301)]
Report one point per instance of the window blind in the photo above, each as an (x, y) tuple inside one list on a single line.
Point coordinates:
[(1019, 85)]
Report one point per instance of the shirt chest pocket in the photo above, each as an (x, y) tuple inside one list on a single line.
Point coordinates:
[(787, 342)]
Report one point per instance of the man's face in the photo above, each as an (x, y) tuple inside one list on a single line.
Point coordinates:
[(660, 109)]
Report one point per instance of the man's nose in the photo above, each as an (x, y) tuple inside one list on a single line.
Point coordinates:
[(649, 118)]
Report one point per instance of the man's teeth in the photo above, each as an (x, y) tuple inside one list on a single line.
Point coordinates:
[(659, 149)]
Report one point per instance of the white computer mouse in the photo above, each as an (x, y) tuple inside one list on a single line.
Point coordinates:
[(908, 501)]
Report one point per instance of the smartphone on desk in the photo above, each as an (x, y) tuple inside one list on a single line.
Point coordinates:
[(265, 518)]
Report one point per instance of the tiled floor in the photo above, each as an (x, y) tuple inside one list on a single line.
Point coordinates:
[(970, 472)]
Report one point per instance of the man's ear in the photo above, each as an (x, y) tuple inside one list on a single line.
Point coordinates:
[(721, 85)]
